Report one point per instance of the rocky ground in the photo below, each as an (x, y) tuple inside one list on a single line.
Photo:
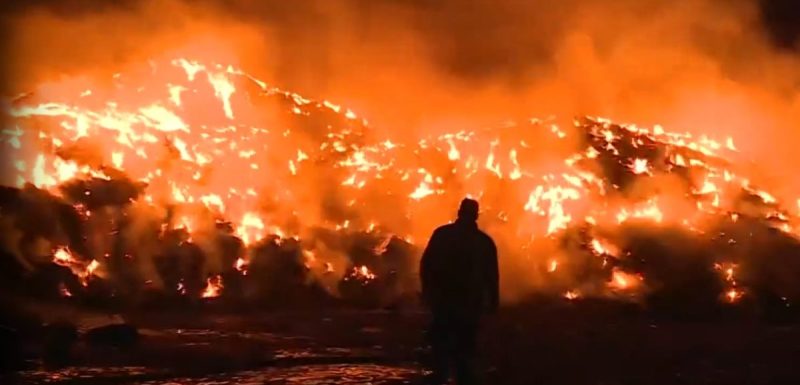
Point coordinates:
[(535, 343)]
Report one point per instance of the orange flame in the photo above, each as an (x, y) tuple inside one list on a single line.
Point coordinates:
[(213, 287), (223, 159), (551, 268), (733, 295), (621, 280), (241, 265), (362, 273)]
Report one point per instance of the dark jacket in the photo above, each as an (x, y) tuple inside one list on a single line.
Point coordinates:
[(459, 269)]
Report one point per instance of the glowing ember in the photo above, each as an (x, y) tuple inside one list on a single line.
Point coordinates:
[(648, 211), (621, 280), (728, 271), (422, 191), (213, 287), (381, 248), (602, 247), (362, 273), (733, 295), (63, 291), (251, 228), (181, 288), (63, 257), (89, 272), (92, 267), (640, 166), (572, 295), (552, 266), (729, 274), (241, 265), (558, 218)]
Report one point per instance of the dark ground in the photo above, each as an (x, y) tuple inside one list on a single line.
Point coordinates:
[(544, 343)]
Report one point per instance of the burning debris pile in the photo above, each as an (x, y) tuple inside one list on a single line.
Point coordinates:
[(195, 180)]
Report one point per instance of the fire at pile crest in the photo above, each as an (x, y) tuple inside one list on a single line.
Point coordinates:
[(179, 153)]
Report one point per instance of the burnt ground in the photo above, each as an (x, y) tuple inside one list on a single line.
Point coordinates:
[(536, 343)]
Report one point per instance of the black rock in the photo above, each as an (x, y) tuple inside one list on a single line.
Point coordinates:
[(114, 335), (59, 340), (10, 350)]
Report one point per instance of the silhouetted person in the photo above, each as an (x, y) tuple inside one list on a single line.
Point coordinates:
[(459, 283)]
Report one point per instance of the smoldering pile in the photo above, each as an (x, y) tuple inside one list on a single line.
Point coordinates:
[(278, 270), (96, 235), (739, 250), (146, 194)]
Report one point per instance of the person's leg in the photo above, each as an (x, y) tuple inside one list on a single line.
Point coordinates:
[(439, 339), (467, 333)]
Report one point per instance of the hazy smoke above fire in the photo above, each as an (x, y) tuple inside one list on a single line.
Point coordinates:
[(698, 65)]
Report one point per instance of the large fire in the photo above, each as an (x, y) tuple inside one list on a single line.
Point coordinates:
[(201, 152)]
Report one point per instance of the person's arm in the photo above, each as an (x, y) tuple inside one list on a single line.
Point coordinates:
[(493, 276), (426, 268)]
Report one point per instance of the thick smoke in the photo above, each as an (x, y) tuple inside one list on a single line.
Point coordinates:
[(708, 66), (413, 67)]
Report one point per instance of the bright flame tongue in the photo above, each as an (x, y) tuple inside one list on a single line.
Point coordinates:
[(196, 135), (213, 287), (63, 257)]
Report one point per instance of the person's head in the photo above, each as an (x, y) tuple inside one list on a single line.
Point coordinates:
[(468, 211)]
